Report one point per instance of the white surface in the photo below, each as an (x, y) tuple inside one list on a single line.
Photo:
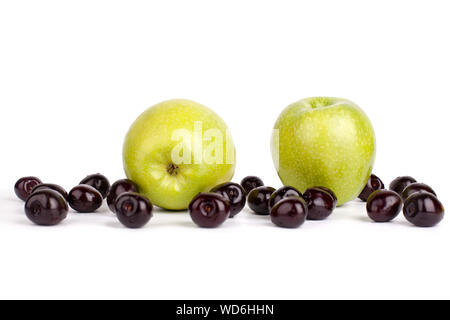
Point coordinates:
[(74, 75)]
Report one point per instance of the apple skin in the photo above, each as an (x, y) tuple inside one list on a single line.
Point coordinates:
[(148, 147), (324, 141)]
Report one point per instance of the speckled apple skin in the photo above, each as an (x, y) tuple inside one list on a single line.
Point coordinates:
[(326, 142), (147, 154)]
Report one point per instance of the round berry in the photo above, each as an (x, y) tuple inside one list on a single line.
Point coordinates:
[(331, 193), (416, 187), (117, 188), (209, 210), (374, 183), (289, 212), (320, 203), (24, 186), (99, 182), (234, 194), (383, 205), (423, 209), (133, 210), (400, 183), (283, 192), (251, 182), (51, 186), (46, 207), (258, 199), (84, 198)]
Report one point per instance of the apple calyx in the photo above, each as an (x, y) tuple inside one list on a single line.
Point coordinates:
[(173, 169)]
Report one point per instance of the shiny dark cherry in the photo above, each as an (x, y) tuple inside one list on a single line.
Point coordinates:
[(24, 186), (374, 183), (283, 192), (331, 193), (117, 188), (400, 183), (251, 182), (133, 210), (416, 187), (51, 186), (289, 212), (235, 195), (99, 182), (423, 209), (46, 207), (84, 198), (383, 205), (209, 210), (258, 199), (320, 203)]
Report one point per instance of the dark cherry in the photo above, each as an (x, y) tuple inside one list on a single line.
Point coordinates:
[(251, 182), (258, 199), (51, 186), (283, 192), (374, 183), (423, 209), (289, 212), (416, 187), (117, 188), (331, 192), (24, 186), (46, 207), (400, 183), (84, 198), (133, 210), (234, 194), (320, 203), (383, 205), (209, 210), (99, 182)]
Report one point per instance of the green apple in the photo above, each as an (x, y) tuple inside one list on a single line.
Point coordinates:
[(175, 150), (324, 141)]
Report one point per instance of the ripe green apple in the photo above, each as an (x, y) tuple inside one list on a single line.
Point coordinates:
[(324, 141), (175, 150)]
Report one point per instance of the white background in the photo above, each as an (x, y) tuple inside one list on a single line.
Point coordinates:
[(75, 74)]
